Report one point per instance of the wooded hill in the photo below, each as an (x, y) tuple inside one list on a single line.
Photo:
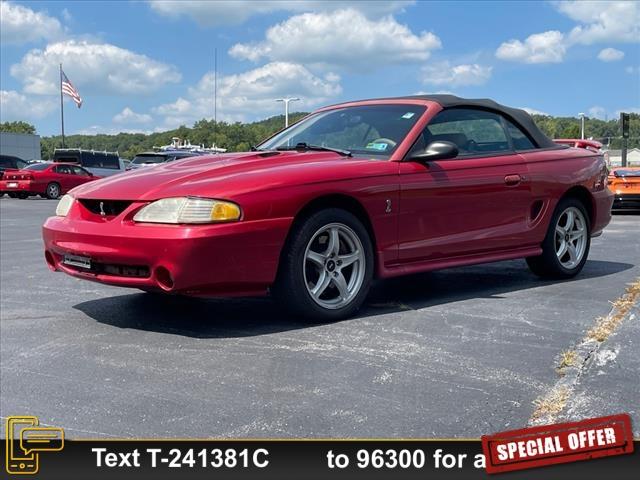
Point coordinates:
[(237, 137)]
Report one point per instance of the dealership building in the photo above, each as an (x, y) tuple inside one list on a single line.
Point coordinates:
[(22, 145)]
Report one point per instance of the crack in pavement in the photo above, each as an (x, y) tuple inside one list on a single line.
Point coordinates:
[(573, 363)]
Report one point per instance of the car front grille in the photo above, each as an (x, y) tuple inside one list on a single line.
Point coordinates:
[(105, 208)]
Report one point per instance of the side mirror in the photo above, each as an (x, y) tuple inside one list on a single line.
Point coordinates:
[(440, 150)]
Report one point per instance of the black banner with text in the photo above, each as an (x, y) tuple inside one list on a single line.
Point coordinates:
[(284, 459)]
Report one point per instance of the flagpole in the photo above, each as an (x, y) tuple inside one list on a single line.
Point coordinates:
[(61, 108), (215, 97)]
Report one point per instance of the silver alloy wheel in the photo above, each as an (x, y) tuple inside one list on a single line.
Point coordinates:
[(53, 191), (571, 237), (334, 266)]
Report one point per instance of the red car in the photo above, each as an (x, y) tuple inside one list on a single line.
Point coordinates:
[(352, 192), (45, 179)]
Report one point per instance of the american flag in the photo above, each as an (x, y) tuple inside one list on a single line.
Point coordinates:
[(69, 89)]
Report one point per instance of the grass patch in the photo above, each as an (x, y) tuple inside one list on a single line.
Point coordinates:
[(605, 326), (551, 404), (568, 358)]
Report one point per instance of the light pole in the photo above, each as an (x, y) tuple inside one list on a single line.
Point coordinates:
[(286, 108), (581, 115)]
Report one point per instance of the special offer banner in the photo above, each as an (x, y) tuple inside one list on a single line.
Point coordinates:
[(592, 448)]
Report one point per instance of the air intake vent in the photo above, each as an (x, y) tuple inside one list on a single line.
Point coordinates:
[(106, 208)]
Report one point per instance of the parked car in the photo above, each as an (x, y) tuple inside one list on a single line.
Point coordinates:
[(102, 164), (624, 182), (352, 192), (9, 162), (48, 180), (148, 159)]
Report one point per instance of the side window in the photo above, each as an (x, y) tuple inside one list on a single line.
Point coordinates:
[(475, 132), (64, 169), (520, 140), (80, 171)]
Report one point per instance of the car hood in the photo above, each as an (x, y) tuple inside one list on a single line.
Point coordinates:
[(230, 175)]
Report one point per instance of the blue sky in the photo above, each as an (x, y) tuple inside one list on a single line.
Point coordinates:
[(148, 65)]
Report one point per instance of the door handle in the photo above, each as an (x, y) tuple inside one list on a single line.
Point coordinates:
[(512, 180)]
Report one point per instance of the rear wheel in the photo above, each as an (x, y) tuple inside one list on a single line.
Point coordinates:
[(12, 195), (22, 196), (53, 191), (327, 266), (566, 245)]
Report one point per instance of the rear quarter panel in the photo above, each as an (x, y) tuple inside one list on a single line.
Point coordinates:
[(554, 172)]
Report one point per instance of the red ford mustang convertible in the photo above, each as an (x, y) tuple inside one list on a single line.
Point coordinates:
[(356, 191)]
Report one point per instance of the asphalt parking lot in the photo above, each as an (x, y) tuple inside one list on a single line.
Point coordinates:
[(456, 353)]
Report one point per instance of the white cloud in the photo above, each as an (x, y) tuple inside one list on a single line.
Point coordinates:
[(606, 21), (597, 112), (599, 22), (344, 38), (444, 73), (16, 106), (93, 67), (128, 116), (546, 47), (533, 111), (66, 14), (19, 24), (233, 12), (610, 55), (251, 94)]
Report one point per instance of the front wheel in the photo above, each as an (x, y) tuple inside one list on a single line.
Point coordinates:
[(566, 245), (327, 266)]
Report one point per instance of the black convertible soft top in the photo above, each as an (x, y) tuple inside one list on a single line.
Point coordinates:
[(520, 117)]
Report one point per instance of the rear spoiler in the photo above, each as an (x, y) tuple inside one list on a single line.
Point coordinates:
[(580, 143)]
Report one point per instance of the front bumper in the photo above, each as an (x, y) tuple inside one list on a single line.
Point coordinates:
[(233, 259), (626, 201)]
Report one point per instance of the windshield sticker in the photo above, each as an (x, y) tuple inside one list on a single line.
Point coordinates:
[(408, 115), (381, 147)]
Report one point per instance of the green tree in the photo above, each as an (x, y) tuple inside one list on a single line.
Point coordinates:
[(17, 127), (571, 131), (241, 136)]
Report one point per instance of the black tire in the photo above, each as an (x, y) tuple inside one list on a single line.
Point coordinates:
[(548, 265), (22, 196), (53, 191), (12, 195), (291, 289)]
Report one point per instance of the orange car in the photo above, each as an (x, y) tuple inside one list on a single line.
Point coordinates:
[(624, 182)]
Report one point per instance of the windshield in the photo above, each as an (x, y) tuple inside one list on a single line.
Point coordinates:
[(368, 130), (37, 166), (141, 159)]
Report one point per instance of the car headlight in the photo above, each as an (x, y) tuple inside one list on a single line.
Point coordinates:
[(64, 205), (188, 210)]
